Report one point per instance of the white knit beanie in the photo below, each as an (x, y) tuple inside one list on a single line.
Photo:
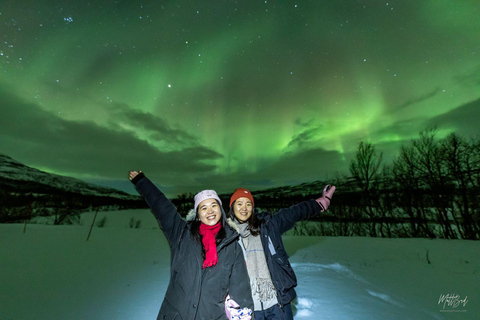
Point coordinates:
[(206, 194)]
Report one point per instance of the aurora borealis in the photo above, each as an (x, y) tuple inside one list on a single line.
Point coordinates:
[(227, 94)]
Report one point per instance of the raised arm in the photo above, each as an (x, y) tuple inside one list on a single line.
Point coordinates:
[(164, 211), (286, 218)]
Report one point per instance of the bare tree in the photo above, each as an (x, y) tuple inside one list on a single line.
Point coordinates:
[(462, 161), (411, 199), (422, 171), (365, 168)]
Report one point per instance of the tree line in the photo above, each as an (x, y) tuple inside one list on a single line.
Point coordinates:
[(432, 189), (64, 207)]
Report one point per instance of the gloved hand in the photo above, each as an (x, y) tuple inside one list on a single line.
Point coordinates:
[(324, 200), (233, 311)]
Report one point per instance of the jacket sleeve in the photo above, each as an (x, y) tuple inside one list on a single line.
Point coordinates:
[(239, 287), (164, 211), (286, 218)]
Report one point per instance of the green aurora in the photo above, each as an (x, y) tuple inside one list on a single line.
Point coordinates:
[(227, 94)]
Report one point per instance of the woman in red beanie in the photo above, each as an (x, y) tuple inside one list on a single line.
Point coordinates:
[(272, 279)]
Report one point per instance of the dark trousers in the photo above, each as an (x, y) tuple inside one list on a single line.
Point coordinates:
[(275, 313)]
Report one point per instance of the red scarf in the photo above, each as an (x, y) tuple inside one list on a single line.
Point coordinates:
[(208, 239)]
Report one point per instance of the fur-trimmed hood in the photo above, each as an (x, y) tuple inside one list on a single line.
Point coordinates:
[(191, 215), (232, 224)]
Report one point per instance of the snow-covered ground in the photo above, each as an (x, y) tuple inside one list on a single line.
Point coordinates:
[(52, 272)]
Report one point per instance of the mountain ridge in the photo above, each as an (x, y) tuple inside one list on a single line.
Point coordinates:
[(12, 171), (27, 192)]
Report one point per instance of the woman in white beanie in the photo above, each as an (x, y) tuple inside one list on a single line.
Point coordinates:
[(208, 278)]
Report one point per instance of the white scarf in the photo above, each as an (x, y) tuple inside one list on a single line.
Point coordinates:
[(263, 291)]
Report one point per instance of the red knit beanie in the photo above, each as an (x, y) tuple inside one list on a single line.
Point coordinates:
[(240, 193)]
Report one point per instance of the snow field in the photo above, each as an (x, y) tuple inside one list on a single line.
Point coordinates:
[(52, 272)]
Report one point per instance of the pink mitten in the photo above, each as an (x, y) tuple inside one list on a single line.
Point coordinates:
[(324, 200), (233, 311)]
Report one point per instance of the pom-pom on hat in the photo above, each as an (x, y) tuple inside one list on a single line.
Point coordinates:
[(204, 195), (240, 193)]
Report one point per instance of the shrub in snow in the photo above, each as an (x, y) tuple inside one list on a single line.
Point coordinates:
[(134, 223), (102, 222)]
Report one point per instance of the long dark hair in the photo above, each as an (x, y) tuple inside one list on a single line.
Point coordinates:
[(195, 229), (253, 221)]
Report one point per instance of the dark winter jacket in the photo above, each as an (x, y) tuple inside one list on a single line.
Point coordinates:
[(194, 292), (271, 229)]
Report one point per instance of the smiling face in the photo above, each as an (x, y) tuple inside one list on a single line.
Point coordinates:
[(243, 209), (209, 212)]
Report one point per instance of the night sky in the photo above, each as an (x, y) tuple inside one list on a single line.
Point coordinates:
[(227, 94)]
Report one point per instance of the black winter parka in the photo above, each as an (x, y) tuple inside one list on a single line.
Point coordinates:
[(271, 228), (194, 292)]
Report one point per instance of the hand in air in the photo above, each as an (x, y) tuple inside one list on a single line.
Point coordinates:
[(233, 311), (133, 174), (324, 200)]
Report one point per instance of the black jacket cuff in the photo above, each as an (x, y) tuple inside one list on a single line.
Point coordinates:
[(137, 178)]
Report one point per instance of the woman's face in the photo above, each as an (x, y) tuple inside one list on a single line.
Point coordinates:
[(243, 209), (209, 212)]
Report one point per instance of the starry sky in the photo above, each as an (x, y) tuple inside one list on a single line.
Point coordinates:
[(227, 94)]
